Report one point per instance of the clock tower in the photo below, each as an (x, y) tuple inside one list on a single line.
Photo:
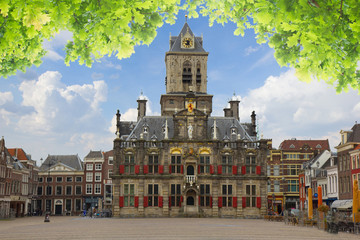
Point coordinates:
[(186, 74)]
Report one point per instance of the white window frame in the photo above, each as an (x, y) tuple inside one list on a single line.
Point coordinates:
[(98, 166), (89, 166), (111, 160), (89, 188), (89, 177), (98, 177), (97, 189)]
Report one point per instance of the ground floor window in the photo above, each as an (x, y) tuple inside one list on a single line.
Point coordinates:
[(68, 205), (78, 204), (227, 195), (205, 195), (108, 194), (250, 195), (153, 195), (129, 195), (175, 197)]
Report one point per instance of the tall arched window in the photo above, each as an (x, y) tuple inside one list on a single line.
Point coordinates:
[(198, 73), (186, 76)]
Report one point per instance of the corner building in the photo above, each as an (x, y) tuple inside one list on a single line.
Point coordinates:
[(187, 162)]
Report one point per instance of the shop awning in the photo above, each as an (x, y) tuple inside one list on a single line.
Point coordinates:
[(342, 204)]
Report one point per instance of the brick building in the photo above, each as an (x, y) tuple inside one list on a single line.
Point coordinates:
[(107, 181), (93, 173), (29, 179), (18, 182), (283, 169), (61, 183), (187, 162), (349, 141)]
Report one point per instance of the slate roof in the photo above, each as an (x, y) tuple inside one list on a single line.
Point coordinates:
[(175, 42), (156, 124), (355, 134), (94, 154), (72, 161), (298, 144)]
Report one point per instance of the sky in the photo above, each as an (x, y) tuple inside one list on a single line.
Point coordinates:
[(61, 110)]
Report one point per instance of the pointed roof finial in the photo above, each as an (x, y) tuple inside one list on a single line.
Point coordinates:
[(186, 16)]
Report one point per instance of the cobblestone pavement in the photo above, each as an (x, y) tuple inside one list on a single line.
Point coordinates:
[(158, 228)]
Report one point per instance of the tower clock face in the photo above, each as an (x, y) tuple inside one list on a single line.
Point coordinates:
[(187, 42)]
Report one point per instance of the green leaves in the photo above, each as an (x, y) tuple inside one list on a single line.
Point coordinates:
[(318, 38)]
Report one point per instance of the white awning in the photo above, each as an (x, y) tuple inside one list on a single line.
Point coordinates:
[(342, 204)]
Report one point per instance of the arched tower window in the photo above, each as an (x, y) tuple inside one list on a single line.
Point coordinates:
[(198, 73), (187, 76)]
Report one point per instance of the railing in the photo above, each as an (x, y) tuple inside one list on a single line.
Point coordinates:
[(190, 179)]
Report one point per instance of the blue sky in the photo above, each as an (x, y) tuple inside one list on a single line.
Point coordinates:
[(55, 109)]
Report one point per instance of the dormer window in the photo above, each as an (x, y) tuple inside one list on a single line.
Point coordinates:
[(233, 131), (146, 130), (318, 146), (292, 146)]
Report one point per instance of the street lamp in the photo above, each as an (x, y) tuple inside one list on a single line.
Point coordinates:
[(47, 214)]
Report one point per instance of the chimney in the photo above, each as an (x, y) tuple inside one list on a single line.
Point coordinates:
[(227, 112), (141, 106), (118, 115), (253, 122), (234, 108)]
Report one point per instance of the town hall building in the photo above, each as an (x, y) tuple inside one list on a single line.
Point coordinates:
[(187, 162)]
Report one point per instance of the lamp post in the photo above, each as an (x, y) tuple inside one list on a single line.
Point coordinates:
[(47, 214)]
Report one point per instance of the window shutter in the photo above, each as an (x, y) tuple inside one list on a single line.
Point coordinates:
[(258, 202), (137, 169), (198, 167), (219, 169), (220, 202), (212, 169), (235, 202), (160, 201), (122, 169), (121, 201), (234, 170), (145, 201), (243, 170), (258, 170), (181, 200), (169, 168), (182, 169), (146, 169), (161, 169), (136, 201), (244, 202), (169, 201), (210, 201)]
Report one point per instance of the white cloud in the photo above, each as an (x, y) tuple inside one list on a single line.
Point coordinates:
[(58, 107), (56, 43), (269, 56), (249, 50), (97, 76), (287, 107), (6, 97), (53, 55)]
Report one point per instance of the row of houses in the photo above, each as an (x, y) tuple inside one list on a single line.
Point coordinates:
[(18, 182), (62, 185)]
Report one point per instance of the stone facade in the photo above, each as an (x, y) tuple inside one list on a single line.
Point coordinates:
[(186, 162)]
